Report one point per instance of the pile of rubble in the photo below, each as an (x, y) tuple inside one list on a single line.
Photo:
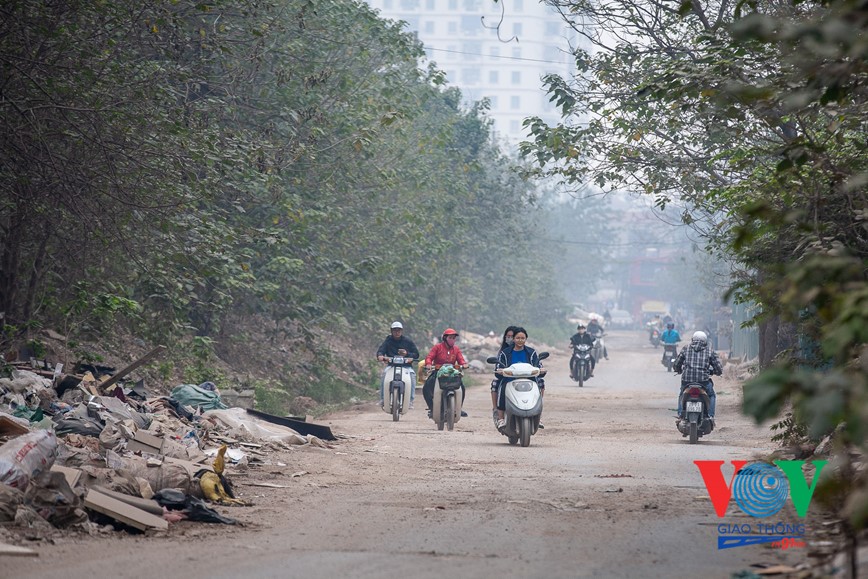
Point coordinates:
[(86, 452)]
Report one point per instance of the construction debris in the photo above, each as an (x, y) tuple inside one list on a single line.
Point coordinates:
[(83, 445)]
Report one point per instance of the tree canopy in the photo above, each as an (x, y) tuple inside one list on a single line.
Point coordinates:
[(197, 168), (750, 118)]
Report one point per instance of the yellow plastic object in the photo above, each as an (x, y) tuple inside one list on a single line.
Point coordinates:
[(212, 486), (219, 461), (212, 490)]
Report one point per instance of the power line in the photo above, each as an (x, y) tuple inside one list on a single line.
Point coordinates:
[(626, 244), (495, 56)]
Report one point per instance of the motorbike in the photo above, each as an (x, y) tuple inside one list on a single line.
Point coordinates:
[(695, 422), (654, 337), (524, 401), (670, 352), (396, 386), (580, 364), (448, 398)]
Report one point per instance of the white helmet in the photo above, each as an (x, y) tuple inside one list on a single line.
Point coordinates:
[(700, 336), (397, 326)]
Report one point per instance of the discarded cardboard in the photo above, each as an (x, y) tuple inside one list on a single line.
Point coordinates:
[(70, 474), (17, 551), (301, 427), (144, 441), (123, 512)]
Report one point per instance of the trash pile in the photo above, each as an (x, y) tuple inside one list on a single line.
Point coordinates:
[(98, 453)]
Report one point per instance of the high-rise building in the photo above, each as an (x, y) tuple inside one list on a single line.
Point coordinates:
[(499, 50)]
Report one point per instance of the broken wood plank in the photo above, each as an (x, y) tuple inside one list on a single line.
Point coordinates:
[(123, 512), (9, 426), (146, 505), (265, 484), (13, 550), (124, 371)]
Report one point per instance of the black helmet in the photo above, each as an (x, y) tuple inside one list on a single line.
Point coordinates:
[(670, 325), (580, 327)]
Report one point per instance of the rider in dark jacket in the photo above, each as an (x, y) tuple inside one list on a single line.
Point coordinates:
[(396, 344), (584, 337)]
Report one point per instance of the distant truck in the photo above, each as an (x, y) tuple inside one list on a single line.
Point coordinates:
[(653, 308)]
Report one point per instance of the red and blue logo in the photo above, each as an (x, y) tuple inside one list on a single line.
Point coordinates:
[(760, 490)]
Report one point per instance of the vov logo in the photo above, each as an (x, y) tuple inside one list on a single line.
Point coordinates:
[(760, 490)]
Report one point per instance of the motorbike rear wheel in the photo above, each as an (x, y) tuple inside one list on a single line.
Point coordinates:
[(524, 428), (450, 412), (694, 433), (668, 364), (396, 406)]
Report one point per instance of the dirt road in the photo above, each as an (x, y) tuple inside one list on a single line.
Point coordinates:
[(607, 489)]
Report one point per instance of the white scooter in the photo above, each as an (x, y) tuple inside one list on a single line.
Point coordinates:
[(599, 350), (397, 380), (524, 402), (448, 399)]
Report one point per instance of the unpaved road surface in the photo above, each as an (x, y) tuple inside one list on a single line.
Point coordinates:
[(607, 489)]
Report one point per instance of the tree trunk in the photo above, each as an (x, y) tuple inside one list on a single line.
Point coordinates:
[(9, 267), (768, 341), (35, 274)]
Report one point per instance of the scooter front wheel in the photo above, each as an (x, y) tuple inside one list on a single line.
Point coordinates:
[(524, 429), (396, 406), (450, 412)]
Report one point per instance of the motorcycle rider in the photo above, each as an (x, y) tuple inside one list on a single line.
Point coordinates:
[(696, 362), (596, 332), (446, 352), (655, 324), (670, 337), (507, 341), (583, 337), (396, 344), (517, 352)]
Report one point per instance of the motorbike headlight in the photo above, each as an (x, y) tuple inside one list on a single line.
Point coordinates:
[(523, 385)]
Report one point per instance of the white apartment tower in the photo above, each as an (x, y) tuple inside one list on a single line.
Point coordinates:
[(505, 65)]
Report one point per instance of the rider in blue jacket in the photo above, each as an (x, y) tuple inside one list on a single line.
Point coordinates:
[(669, 337)]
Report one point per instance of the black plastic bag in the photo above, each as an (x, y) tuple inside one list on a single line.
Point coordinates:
[(195, 509)]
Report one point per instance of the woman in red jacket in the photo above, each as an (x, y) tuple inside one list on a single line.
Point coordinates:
[(446, 352)]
